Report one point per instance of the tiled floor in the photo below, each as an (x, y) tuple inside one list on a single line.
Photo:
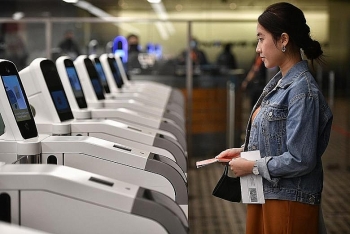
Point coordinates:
[(208, 214)]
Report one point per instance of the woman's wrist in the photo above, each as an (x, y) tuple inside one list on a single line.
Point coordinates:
[(250, 166)]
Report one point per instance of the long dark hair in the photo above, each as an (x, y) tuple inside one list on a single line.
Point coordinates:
[(284, 17)]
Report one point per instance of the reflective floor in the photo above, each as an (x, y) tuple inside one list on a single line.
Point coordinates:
[(208, 214)]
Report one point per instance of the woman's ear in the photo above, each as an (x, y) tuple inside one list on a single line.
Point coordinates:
[(284, 39)]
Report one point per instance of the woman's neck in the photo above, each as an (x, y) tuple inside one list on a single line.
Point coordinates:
[(289, 62)]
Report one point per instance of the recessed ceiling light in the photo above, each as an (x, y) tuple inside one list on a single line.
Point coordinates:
[(154, 1), (71, 1), (18, 15), (233, 6), (179, 7)]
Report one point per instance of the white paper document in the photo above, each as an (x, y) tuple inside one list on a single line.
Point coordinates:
[(251, 185)]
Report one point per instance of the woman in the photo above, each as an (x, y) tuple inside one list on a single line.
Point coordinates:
[(290, 125)]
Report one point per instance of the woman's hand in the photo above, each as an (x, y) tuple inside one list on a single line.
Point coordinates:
[(241, 166), (229, 154)]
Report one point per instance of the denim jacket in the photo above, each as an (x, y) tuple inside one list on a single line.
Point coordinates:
[(291, 131)]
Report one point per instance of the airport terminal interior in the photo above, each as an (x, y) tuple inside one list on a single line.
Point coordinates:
[(107, 105)]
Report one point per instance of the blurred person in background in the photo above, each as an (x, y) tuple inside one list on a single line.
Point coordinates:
[(226, 59), (255, 80), (133, 52), (68, 46), (13, 47), (198, 56)]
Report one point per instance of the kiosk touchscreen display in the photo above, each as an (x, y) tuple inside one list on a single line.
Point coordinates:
[(76, 87), (114, 68), (95, 81), (60, 101), (56, 90), (16, 98), (97, 86), (18, 101), (102, 75), (118, 72)]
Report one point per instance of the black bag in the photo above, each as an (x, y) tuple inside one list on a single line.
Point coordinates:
[(228, 188)]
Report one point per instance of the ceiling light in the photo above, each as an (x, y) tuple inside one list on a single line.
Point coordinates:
[(233, 6), (71, 1), (162, 31), (154, 1), (18, 15), (179, 7)]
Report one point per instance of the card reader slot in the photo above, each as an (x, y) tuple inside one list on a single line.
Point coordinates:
[(100, 181), (121, 147), (132, 128)]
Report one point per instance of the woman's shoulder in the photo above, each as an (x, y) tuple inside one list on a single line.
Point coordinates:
[(300, 75), (305, 86), (306, 79)]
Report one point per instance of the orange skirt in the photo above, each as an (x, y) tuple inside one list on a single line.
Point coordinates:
[(282, 217)]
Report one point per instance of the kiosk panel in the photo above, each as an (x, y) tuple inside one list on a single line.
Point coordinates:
[(17, 98)]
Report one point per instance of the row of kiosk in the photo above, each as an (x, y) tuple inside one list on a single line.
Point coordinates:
[(87, 150)]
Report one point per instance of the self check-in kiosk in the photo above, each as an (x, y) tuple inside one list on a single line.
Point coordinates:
[(91, 71), (107, 158), (112, 130), (175, 95), (122, 114), (175, 104), (165, 113), (90, 78), (171, 94), (62, 199), (147, 105), (158, 89), (116, 83)]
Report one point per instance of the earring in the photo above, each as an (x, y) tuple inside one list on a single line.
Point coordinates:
[(283, 48)]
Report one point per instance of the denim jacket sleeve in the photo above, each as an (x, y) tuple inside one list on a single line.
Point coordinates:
[(301, 138)]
